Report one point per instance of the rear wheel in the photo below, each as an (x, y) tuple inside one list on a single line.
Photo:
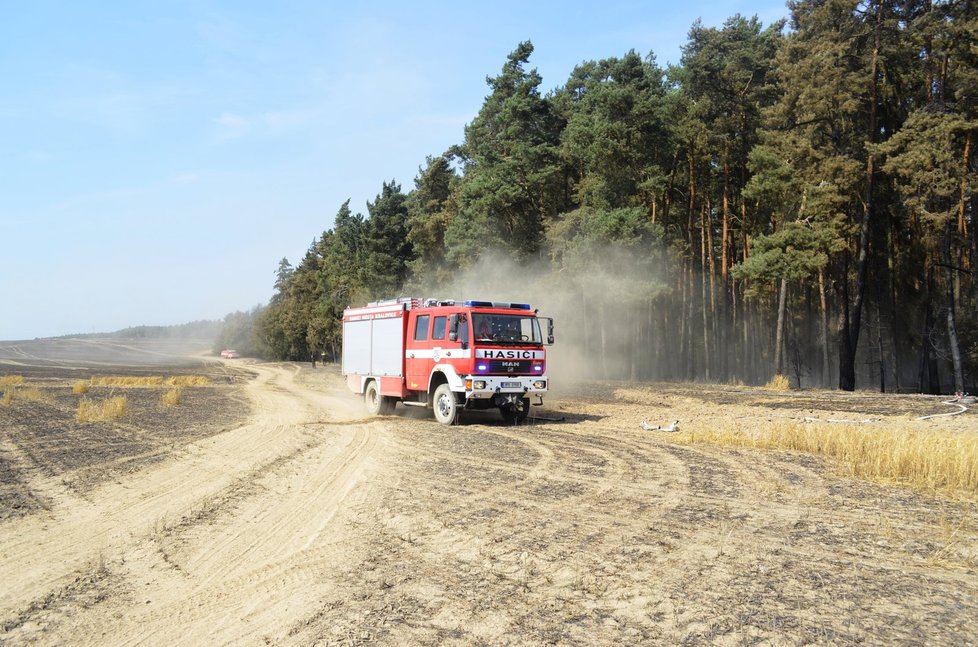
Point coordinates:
[(516, 412), (445, 405), (377, 404)]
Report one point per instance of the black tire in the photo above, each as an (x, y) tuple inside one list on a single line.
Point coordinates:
[(515, 414), (445, 405), (377, 404)]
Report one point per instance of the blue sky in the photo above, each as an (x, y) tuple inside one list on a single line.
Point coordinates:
[(160, 157)]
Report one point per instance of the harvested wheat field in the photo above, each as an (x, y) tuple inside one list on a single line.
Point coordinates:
[(263, 507)]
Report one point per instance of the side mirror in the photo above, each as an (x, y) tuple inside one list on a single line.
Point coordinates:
[(550, 331), (453, 328)]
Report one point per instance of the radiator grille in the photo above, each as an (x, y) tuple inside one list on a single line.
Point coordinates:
[(511, 366)]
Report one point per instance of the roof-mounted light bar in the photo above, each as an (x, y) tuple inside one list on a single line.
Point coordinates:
[(497, 304)]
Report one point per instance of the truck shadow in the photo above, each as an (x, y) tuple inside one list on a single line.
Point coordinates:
[(491, 417), (542, 417), (567, 417)]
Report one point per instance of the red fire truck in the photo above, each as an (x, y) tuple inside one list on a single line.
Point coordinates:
[(447, 355)]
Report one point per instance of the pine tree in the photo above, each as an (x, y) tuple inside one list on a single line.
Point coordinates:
[(387, 250), (511, 168), (431, 207)]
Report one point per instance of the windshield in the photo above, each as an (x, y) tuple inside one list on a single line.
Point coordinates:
[(506, 329)]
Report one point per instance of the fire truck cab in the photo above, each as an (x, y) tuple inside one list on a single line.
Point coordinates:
[(447, 355)]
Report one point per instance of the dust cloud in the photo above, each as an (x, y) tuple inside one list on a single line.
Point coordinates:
[(601, 310)]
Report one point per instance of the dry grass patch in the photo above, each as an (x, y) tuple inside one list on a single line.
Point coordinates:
[(27, 394), (932, 460), (11, 380), (33, 394), (189, 380), (172, 397), (778, 383), (80, 387), (109, 409), (149, 381), (127, 380)]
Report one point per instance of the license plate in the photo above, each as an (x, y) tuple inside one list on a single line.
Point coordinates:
[(511, 385)]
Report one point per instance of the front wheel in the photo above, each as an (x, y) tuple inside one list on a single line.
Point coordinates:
[(445, 405), (517, 412)]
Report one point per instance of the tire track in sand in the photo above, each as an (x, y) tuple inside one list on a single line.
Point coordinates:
[(247, 574), (44, 554)]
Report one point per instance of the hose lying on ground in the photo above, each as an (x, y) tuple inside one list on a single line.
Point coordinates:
[(957, 401)]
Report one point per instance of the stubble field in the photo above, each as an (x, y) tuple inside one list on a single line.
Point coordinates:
[(266, 508)]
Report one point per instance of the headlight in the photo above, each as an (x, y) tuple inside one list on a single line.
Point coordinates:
[(479, 384), (539, 384)]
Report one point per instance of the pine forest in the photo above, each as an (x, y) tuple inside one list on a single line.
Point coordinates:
[(794, 199)]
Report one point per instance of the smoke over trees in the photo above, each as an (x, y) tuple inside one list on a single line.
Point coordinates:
[(794, 199)]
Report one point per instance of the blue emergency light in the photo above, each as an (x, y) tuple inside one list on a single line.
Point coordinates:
[(497, 304)]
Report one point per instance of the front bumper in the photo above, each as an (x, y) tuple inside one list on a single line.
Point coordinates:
[(484, 387)]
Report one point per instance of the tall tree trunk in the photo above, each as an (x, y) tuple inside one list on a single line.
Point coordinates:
[(974, 253), (691, 345), (952, 329), (923, 359), (853, 320), (711, 265), (971, 164), (683, 337), (824, 309), (725, 238), (963, 201), (747, 372), (667, 200), (879, 336), (691, 204), (703, 281), (929, 378), (745, 319), (779, 335), (896, 325), (847, 360)]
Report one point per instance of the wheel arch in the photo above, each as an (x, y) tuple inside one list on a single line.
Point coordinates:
[(444, 374)]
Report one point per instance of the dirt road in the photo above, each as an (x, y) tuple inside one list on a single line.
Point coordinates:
[(311, 524)]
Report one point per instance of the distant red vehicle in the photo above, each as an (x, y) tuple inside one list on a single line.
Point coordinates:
[(227, 353)]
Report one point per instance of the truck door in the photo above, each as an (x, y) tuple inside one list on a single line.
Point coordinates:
[(439, 340), (445, 349), (439, 348), (418, 360)]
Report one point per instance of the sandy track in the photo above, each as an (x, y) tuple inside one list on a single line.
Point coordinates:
[(314, 525), (227, 519)]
